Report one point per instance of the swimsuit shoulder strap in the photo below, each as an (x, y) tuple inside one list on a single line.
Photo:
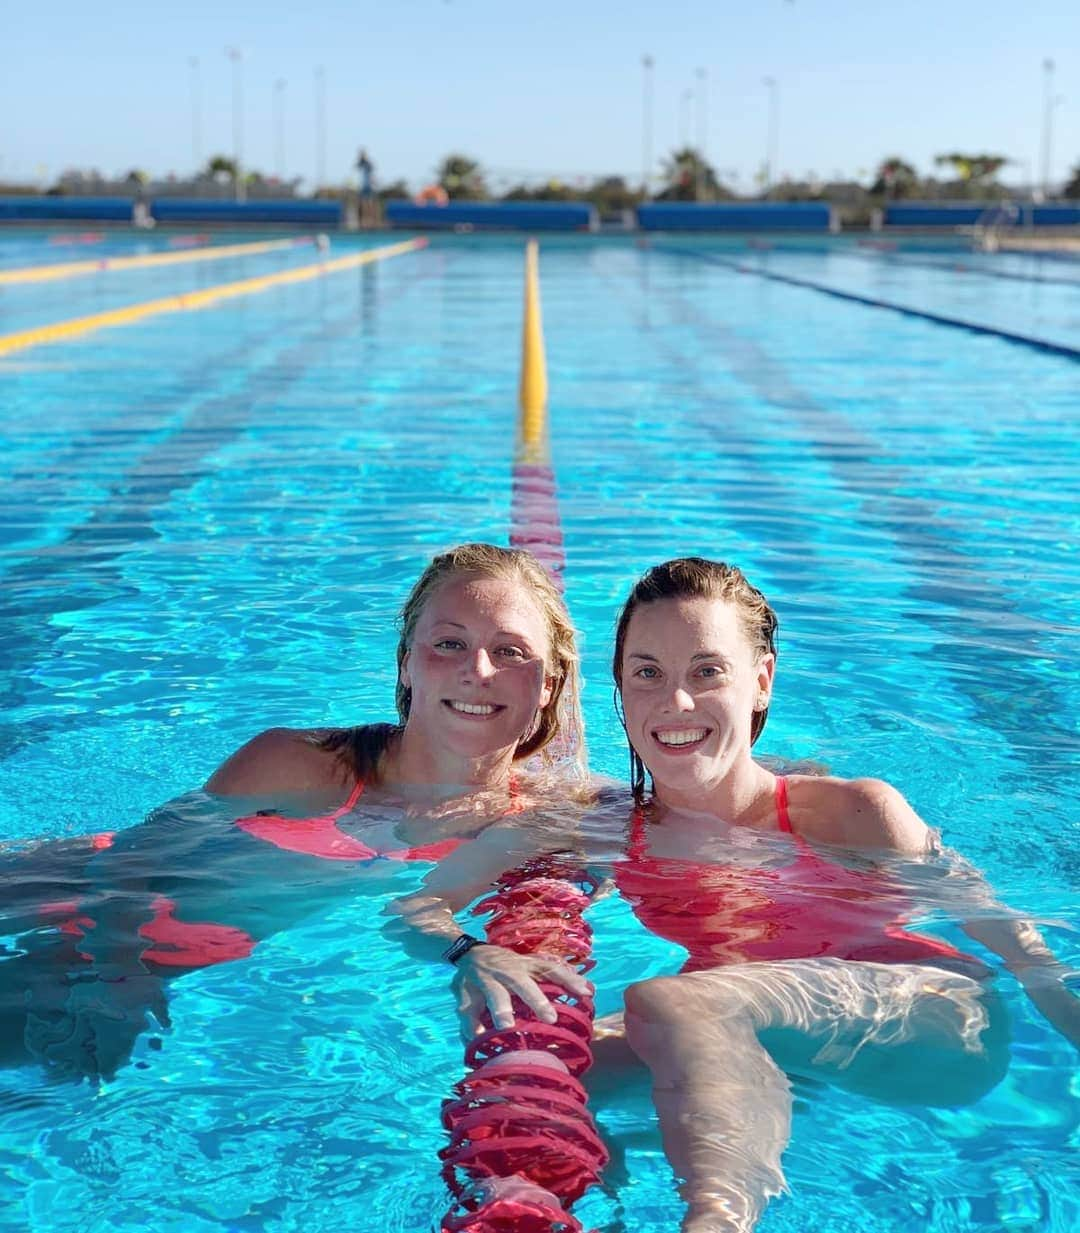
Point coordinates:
[(353, 797), (638, 846), (783, 818)]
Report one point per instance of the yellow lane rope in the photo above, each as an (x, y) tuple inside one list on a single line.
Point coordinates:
[(533, 390), (74, 269), (192, 300)]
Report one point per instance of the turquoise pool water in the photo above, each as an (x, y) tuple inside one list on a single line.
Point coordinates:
[(209, 519)]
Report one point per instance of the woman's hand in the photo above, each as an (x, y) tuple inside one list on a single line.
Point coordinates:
[(488, 976)]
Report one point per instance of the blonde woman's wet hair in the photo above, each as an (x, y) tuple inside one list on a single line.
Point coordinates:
[(558, 731), (698, 578)]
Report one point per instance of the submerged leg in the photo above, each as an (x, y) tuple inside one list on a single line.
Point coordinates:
[(724, 1105), (907, 1033)]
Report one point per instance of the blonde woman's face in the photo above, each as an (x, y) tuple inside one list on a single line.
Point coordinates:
[(477, 666)]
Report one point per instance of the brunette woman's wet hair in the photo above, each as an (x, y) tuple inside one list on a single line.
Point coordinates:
[(697, 578), (362, 748)]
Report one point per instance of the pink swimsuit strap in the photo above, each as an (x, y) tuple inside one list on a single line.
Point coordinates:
[(783, 818), (322, 837), (638, 847)]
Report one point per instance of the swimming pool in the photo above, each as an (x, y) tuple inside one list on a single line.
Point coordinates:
[(208, 519)]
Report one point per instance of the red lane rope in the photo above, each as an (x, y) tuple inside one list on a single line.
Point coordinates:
[(523, 1145), (534, 517)]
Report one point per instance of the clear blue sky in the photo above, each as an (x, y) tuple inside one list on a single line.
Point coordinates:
[(553, 88)]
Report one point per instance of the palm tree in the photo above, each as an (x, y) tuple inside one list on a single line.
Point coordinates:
[(895, 178), (462, 178), (689, 177), (975, 172), (220, 167)]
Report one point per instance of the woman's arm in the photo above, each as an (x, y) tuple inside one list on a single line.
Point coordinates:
[(1043, 977), (278, 760), (875, 815), (88, 999), (857, 813), (487, 976)]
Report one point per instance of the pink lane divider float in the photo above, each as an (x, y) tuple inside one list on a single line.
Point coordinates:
[(534, 517), (190, 241), (523, 1145), (66, 238)]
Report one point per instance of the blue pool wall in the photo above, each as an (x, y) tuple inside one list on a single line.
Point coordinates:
[(189, 210), (805, 216), (171, 210), (968, 213), (762, 216), (47, 209), (493, 215)]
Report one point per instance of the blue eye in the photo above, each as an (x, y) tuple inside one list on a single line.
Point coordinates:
[(647, 673), (512, 652)]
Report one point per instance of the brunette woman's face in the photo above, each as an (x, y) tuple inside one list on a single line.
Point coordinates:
[(477, 666), (691, 681)]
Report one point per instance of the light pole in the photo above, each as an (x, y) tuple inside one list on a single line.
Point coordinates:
[(702, 110), (320, 127), (279, 128), (773, 140), (1050, 101), (237, 58), (196, 111), (702, 127), (685, 103), (646, 124)]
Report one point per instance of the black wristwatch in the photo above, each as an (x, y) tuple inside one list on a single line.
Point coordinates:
[(461, 947)]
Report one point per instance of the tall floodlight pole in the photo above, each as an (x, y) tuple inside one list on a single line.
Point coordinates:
[(196, 111), (1049, 102), (237, 58), (279, 127), (702, 127), (702, 109), (773, 139), (685, 102), (646, 124), (320, 127)]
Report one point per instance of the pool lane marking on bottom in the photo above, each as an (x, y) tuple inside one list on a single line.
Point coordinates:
[(534, 508), (75, 269), (957, 323), (903, 261), (192, 301)]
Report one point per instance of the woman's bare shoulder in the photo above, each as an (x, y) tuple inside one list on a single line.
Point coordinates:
[(857, 813), (279, 760)]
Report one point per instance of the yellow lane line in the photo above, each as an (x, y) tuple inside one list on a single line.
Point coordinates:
[(533, 388), (74, 269), (192, 300)]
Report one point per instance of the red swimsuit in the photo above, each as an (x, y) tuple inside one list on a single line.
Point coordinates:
[(810, 908), (191, 944), (324, 838)]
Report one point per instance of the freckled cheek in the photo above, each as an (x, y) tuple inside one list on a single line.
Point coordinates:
[(429, 672), (525, 678), (428, 660)]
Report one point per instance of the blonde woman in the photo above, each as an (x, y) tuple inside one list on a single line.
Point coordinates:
[(486, 680)]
